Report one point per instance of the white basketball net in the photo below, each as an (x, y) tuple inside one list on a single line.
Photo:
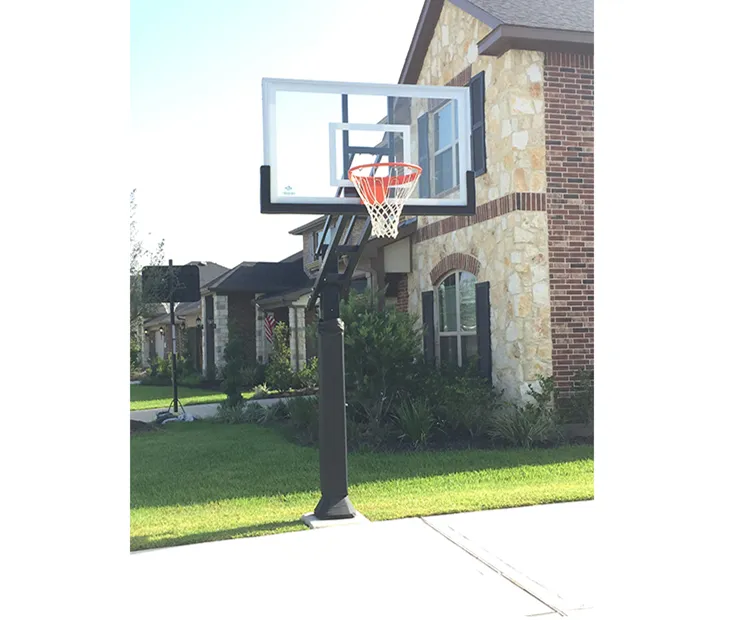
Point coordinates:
[(385, 188)]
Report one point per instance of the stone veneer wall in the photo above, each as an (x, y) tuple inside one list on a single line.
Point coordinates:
[(569, 110), (508, 234), (514, 103), (512, 254)]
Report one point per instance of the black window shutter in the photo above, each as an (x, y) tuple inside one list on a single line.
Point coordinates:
[(482, 310), (428, 328), (477, 103), (424, 183)]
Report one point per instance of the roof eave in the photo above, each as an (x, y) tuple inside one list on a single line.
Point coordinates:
[(308, 226), (506, 37)]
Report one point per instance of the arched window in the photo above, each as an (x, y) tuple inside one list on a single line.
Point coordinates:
[(457, 318)]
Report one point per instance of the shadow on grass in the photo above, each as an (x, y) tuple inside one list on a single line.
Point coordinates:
[(141, 543), (206, 462)]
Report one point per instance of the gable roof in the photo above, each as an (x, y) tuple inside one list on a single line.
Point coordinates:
[(259, 277), (208, 271), (553, 25)]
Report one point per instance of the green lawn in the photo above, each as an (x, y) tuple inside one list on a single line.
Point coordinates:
[(203, 481), (156, 396)]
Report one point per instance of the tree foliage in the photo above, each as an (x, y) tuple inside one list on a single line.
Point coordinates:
[(140, 256)]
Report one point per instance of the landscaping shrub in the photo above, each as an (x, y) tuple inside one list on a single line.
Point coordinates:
[(304, 416), (279, 374), (231, 413), (415, 421), (260, 391), (253, 374), (578, 406), (232, 371), (307, 377), (381, 347), (531, 423), (523, 427)]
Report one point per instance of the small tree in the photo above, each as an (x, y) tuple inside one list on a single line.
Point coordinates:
[(232, 371), (279, 374), (381, 350)]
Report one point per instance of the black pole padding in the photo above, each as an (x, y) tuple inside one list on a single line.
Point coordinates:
[(334, 502)]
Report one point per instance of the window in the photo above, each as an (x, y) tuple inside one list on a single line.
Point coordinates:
[(457, 319), (317, 236), (446, 148)]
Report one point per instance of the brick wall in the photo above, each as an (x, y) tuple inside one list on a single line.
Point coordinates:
[(568, 103), (242, 320), (401, 302)]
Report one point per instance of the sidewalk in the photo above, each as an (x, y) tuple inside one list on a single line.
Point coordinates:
[(199, 411), (511, 563)]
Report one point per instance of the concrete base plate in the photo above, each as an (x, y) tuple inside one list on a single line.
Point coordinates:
[(314, 523)]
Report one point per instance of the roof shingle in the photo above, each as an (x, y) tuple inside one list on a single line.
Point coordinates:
[(558, 14)]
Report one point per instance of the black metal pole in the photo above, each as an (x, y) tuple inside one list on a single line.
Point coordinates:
[(334, 502), (171, 287)]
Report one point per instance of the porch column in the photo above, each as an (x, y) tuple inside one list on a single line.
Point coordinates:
[(300, 339), (204, 327), (260, 336), (293, 336), (221, 332)]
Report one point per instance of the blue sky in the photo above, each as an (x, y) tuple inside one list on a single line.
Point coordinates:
[(196, 70)]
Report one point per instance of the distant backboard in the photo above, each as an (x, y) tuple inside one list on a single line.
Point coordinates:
[(156, 283), (313, 132)]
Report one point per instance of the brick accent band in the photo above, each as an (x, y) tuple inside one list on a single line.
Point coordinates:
[(518, 201), (454, 262), (560, 59)]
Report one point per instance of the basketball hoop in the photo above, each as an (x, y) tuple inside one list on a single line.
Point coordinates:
[(385, 194)]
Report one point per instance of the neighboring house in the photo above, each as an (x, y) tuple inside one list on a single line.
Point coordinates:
[(515, 280), (157, 337), (230, 301)]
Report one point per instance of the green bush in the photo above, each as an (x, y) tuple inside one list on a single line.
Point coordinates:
[(415, 421), (279, 374), (231, 413), (232, 371), (533, 422), (253, 374), (304, 416), (523, 426), (578, 406), (307, 377), (381, 346)]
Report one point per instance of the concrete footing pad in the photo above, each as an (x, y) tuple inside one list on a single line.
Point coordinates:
[(310, 520)]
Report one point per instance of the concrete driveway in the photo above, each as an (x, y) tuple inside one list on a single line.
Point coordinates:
[(512, 563)]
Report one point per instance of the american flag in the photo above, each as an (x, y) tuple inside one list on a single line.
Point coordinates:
[(268, 324)]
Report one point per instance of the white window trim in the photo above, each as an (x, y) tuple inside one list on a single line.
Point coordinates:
[(452, 146), (459, 333)]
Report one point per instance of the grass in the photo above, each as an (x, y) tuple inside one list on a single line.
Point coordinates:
[(203, 481), (156, 396)]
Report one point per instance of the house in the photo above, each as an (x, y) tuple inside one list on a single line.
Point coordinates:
[(229, 301), (529, 66), (156, 333), (512, 284)]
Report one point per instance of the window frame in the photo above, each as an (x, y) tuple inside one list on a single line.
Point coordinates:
[(459, 333), (454, 146), (317, 233)]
